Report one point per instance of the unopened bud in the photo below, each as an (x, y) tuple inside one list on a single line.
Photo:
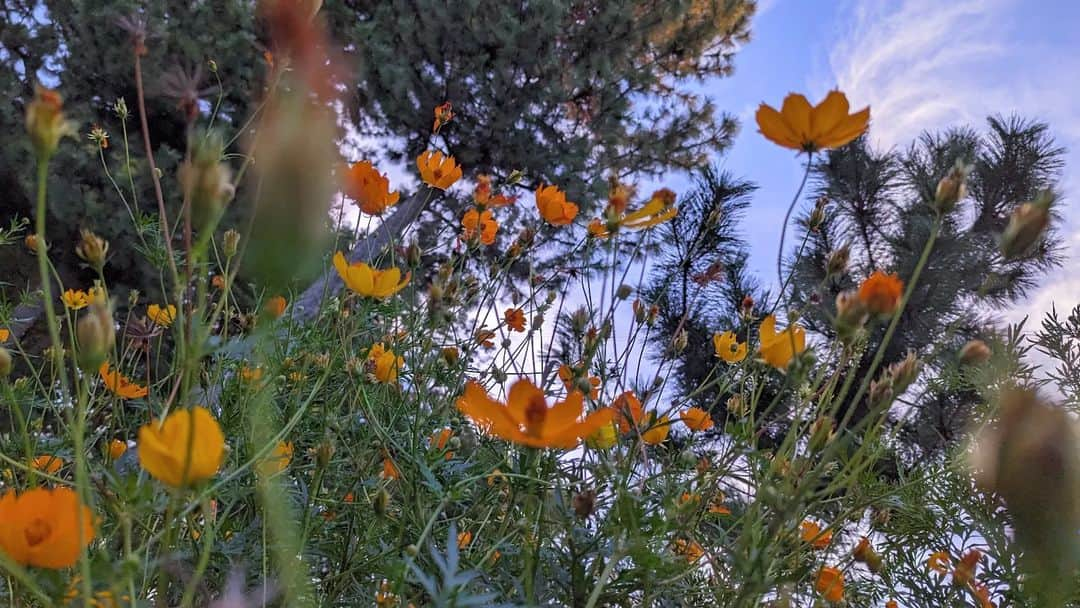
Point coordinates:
[(230, 242), (413, 254), (5, 362), (975, 352), (380, 502), (881, 392), (680, 341), (46, 122), (821, 433), (95, 335), (92, 249), (584, 502), (747, 307), (904, 372), (952, 187), (207, 182), (736, 405), (515, 176), (324, 453), (1026, 226), (449, 355), (31, 241), (851, 315), (817, 216), (623, 291), (837, 262)]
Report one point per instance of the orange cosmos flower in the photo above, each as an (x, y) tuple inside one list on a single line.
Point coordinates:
[(217, 281), (728, 347), (438, 171), (42, 527), (690, 549), (463, 539), (717, 507), (697, 419), (483, 196), (389, 470), (658, 210), (481, 222), (830, 583), (117, 448), (187, 447), (384, 364), (628, 411), (48, 464), (515, 319), (4, 334), (161, 315), (553, 206), (370, 282), (982, 595), (892, 604), (808, 129), (75, 299), (881, 293), (964, 572), (485, 338), (527, 419), (120, 385), (810, 532), (939, 562), (778, 348), (439, 440), (275, 306), (657, 431), (569, 378), (369, 189), (444, 113)]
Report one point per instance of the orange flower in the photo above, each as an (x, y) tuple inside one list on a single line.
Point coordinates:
[(830, 583), (485, 338), (120, 385), (483, 196), (161, 315), (808, 129), (4, 334), (939, 562), (389, 470), (810, 532), (463, 539), (553, 206), (881, 292), (444, 113), (527, 419), (628, 411), (369, 189), (43, 528), (568, 377), (658, 210), (275, 307), (482, 220), (657, 431), (697, 419), (717, 507), (966, 568), (439, 440), (515, 319), (892, 604), (278, 459), (384, 364), (217, 281), (117, 448), (690, 549), (438, 171), (778, 348), (982, 595), (367, 281), (728, 348), (187, 447), (48, 464)]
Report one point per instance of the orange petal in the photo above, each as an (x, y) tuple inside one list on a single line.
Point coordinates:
[(796, 111), (828, 114), (771, 124)]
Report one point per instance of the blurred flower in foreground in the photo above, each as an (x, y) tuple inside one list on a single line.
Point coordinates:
[(527, 419), (810, 532), (120, 385), (43, 527), (830, 583), (778, 348), (437, 170), (186, 448), (275, 306), (278, 460), (161, 315), (46, 122), (48, 464), (95, 334), (806, 128), (553, 206), (369, 189), (604, 437), (367, 281), (728, 347), (697, 419)]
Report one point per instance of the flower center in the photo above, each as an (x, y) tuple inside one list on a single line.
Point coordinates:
[(37, 531), (535, 414)]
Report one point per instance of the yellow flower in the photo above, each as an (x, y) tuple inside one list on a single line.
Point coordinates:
[(438, 171), (163, 316), (367, 281), (48, 464), (42, 527), (481, 222), (830, 583), (604, 437), (728, 347), (117, 448), (251, 375), (4, 334), (186, 448), (808, 129), (658, 431), (553, 206), (881, 293), (384, 365), (527, 419), (75, 299), (275, 306), (659, 209), (279, 458), (778, 348), (697, 419), (120, 385), (369, 189)]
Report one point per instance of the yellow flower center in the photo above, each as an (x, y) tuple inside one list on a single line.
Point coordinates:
[(37, 531)]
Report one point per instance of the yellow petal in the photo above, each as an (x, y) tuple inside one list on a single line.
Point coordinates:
[(796, 111), (828, 114), (771, 124), (848, 129)]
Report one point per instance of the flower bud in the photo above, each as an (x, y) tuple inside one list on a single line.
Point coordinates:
[(324, 453), (952, 187), (95, 335), (380, 502), (230, 242), (31, 242), (45, 122), (680, 341), (837, 262), (881, 392), (817, 216), (92, 249), (851, 315), (737, 405), (206, 181), (1026, 226), (747, 307), (449, 355), (904, 372), (975, 352), (623, 291), (584, 502), (821, 433), (5, 362)]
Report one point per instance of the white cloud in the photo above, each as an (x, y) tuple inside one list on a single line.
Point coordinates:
[(925, 64)]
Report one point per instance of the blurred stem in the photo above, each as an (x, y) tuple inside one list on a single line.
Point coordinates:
[(57, 352), (209, 532), (24, 429), (82, 480)]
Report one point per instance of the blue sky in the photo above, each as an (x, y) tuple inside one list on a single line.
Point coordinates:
[(919, 64)]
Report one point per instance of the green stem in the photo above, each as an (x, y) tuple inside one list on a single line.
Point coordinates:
[(43, 269)]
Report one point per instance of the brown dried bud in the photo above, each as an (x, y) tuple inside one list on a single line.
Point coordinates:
[(817, 216), (821, 433), (324, 453), (881, 391), (449, 355), (623, 291), (975, 352), (838, 259), (584, 502), (747, 307), (92, 249), (904, 372), (680, 341), (1026, 226), (230, 242), (736, 405)]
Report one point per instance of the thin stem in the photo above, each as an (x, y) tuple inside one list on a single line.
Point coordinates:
[(787, 218)]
